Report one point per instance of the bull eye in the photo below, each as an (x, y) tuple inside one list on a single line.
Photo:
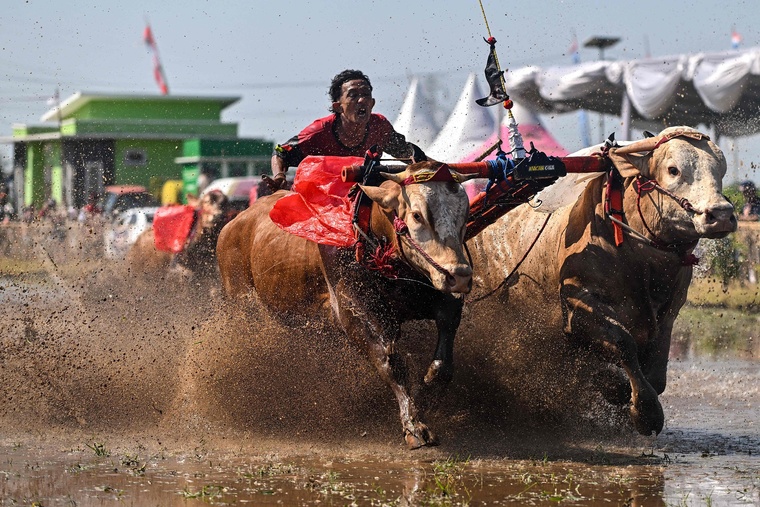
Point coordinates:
[(417, 217), (673, 171)]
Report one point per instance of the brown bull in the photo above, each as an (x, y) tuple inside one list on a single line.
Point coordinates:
[(198, 258), (295, 278), (618, 301)]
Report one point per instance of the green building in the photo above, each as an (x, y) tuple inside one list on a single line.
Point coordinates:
[(92, 140)]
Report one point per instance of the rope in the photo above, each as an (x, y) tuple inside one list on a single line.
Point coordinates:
[(402, 230), (495, 56), (488, 29)]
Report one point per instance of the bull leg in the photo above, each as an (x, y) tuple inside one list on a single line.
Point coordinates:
[(392, 368), (655, 365), (447, 319), (646, 411), (376, 332), (585, 317), (380, 348)]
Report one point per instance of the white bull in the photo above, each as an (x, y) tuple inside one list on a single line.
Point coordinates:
[(617, 298)]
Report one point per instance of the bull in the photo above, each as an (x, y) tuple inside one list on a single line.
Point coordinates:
[(197, 259), (610, 271), (420, 225)]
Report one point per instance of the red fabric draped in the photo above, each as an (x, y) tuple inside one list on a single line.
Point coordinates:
[(319, 209), (171, 227)]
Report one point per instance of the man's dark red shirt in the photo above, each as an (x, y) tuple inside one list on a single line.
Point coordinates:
[(320, 138)]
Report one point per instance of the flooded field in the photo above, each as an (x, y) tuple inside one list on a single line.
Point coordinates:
[(117, 391)]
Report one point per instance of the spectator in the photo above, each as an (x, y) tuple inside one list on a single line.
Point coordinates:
[(751, 209)]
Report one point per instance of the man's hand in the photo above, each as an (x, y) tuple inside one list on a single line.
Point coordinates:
[(275, 183)]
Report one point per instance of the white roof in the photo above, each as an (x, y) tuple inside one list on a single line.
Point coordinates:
[(720, 89), (416, 119), (466, 128)]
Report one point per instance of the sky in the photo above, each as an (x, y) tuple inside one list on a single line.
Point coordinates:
[(278, 56)]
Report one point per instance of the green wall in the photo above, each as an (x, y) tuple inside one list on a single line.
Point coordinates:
[(159, 164), (53, 164), (227, 148), (141, 128)]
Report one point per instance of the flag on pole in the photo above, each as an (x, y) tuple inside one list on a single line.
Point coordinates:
[(736, 39), (574, 51), (158, 70), (493, 78)]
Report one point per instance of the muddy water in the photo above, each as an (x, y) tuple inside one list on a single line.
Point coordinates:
[(119, 392)]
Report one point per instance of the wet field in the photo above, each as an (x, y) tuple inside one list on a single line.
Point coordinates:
[(117, 391)]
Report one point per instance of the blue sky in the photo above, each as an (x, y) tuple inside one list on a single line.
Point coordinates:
[(279, 56)]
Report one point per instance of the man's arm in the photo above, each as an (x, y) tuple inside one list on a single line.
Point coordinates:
[(285, 155), (279, 168)]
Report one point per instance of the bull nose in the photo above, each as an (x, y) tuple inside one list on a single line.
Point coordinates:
[(459, 279), (721, 217), (722, 213)]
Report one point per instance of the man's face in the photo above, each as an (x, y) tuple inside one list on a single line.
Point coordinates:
[(356, 102)]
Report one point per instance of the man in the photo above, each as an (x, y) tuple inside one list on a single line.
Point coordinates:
[(350, 131), (751, 209)]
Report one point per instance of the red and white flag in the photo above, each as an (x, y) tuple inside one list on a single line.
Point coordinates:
[(736, 38), (158, 70)]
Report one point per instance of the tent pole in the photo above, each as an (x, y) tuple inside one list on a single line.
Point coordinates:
[(625, 115)]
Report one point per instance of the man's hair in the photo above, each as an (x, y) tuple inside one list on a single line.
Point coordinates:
[(336, 85)]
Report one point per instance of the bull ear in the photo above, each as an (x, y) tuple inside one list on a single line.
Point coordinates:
[(629, 164), (386, 197)]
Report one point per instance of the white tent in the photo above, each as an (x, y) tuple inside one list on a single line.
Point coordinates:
[(466, 128), (721, 90), (416, 119)]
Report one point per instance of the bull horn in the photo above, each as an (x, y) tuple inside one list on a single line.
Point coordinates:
[(397, 177), (648, 144), (464, 177), (442, 173)]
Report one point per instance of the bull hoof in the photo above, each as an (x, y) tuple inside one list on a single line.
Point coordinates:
[(420, 437), (648, 417), (438, 371)]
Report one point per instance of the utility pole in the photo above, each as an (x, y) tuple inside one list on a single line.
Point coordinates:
[(601, 43)]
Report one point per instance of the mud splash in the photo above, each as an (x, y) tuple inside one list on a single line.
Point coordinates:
[(153, 392)]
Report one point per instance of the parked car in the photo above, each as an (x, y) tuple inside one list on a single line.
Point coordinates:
[(242, 191), (124, 230), (122, 197)]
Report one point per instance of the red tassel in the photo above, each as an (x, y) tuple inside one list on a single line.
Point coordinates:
[(380, 260)]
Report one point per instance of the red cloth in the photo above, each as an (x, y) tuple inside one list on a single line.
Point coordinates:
[(172, 226), (319, 209)]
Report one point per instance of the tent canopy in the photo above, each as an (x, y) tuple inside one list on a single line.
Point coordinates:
[(721, 90)]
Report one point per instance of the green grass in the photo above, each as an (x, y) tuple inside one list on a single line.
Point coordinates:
[(711, 293), (99, 449)]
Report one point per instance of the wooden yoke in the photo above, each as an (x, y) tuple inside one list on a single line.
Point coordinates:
[(507, 193)]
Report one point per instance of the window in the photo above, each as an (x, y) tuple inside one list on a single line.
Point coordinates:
[(135, 157), (237, 169)]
